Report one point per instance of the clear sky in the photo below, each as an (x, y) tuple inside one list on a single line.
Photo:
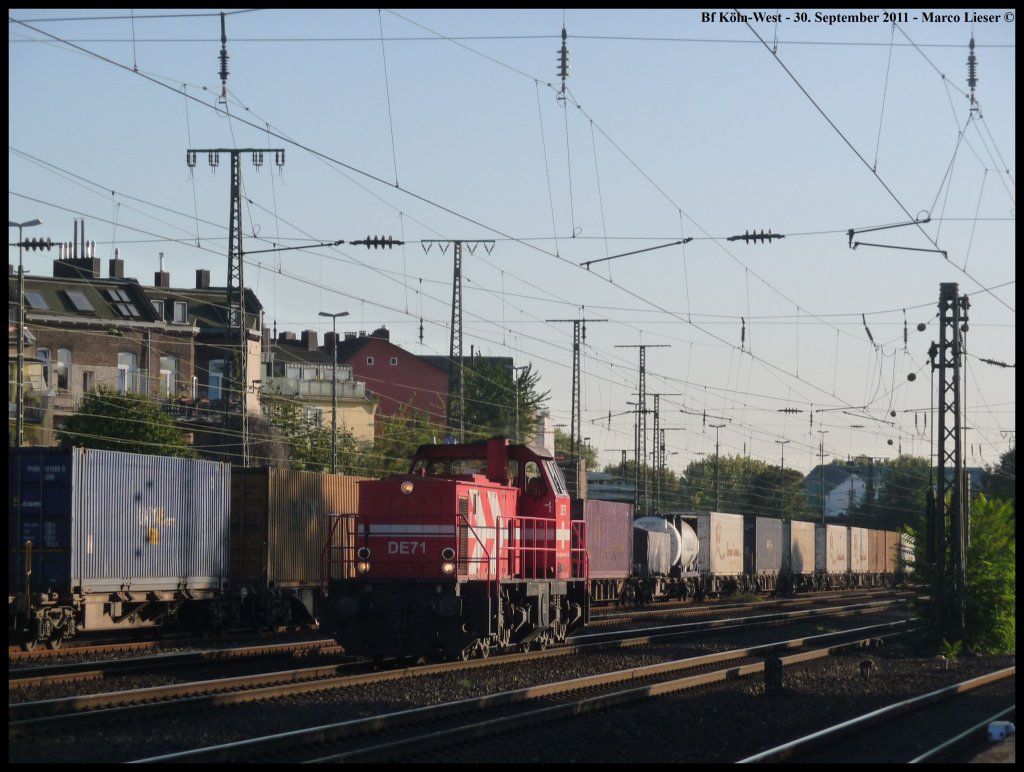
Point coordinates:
[(675, 125)]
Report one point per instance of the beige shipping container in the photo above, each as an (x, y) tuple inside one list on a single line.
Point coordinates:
[(876, 551), (892, 546), (858, 550), (280, 520), (801, 547), (720, 536), (831, 548)]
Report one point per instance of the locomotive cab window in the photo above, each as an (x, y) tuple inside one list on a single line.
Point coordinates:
[(557, 480), (535, 485)]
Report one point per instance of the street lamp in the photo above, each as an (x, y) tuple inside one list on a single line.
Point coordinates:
[(716, 427), (782, 469), (20, 420), (334, 389)]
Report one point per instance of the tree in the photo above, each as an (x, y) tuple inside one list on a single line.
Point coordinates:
[(398, 437), (1001, 479), (133, 423), (491, 404), (583, 450), (903, 498), (744, 486), (308, 446), (990, 581)]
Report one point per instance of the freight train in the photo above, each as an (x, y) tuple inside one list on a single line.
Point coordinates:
[(478, 547), (108, 541), (696, 555)]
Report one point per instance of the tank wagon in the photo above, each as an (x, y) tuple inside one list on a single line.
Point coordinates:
[(472, 550)]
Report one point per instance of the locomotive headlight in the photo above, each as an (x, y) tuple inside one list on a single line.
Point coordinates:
[(448, 554), (407, 487), (447, 568), (363, 567), (363, 553)]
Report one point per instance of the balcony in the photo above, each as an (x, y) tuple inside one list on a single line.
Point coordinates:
[(318, 390)]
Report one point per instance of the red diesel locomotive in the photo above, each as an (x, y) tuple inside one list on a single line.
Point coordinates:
[(472, 550)]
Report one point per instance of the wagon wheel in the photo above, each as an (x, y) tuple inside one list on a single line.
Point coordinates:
[(29, 645), (525, 647), (55, 641), (465, 653), (484, 649)]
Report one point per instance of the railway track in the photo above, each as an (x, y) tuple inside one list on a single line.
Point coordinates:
[(409, 734), (941, 725), (29, 717)]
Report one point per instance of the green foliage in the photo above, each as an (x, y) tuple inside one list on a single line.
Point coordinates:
[(587, 453), (133, 423), (745, 486), (902, 500), (398, 437), (990, 582), (951, 651), (308, 447), (1001, 479), (491, 405)]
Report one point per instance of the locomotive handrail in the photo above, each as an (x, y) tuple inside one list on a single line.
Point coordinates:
[(326, 554)]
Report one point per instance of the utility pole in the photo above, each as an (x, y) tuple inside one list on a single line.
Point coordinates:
[(716, 427), (660, 463), (952, 502), (574, 429), (455, 413), (821, 468), (641, 428), (235, 381), (783, 476), (19, 429)]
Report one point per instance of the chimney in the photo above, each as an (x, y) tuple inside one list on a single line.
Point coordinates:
[(309, 340), (286, 336), (362, 333), (350, 336), (117, 265), (331, 341), (202, 279), (161, 278)]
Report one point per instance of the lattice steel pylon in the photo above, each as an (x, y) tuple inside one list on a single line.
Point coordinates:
[(235, 374), (642, 500), (952, 499), (575, 432), (456, 403)]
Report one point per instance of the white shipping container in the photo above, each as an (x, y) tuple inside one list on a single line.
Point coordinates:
[(801, 547), (721, 544), (831, 548), (858, 550)]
